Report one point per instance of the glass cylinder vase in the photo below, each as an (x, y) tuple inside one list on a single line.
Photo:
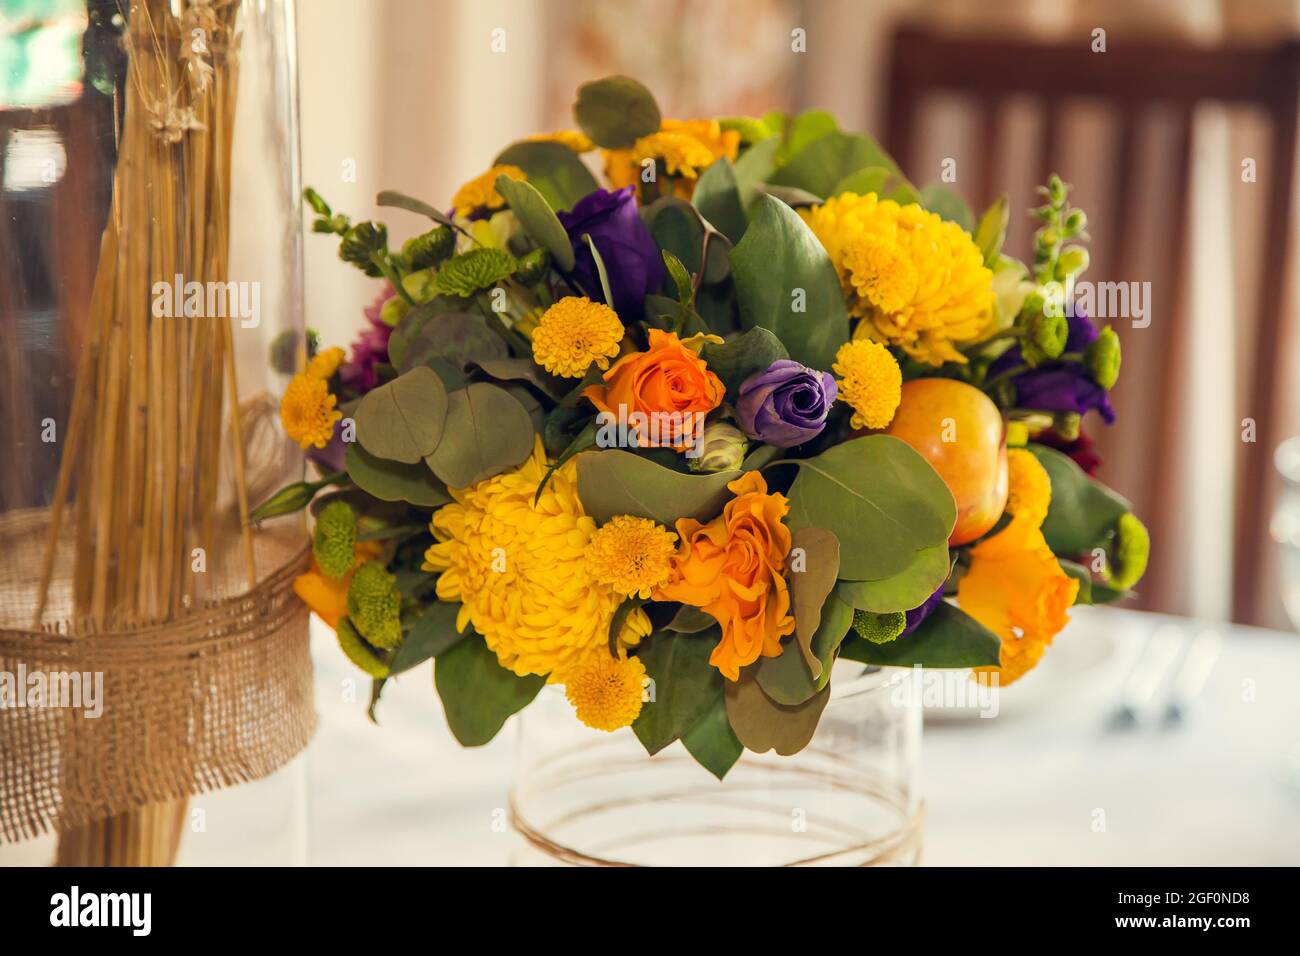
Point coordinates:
[(850, 798), (150, 315)]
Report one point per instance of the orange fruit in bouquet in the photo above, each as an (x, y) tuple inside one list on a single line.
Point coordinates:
[(960, 432)]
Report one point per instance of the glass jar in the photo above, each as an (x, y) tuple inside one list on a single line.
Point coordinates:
[(150, 316), (850, 798)]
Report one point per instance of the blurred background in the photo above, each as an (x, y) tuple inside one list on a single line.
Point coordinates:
[(1167, 134)]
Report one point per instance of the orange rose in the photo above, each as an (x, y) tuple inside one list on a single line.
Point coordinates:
[(668, 384), (731, 569)]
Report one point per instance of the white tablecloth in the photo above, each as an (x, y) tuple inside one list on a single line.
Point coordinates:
[(1035, 785)]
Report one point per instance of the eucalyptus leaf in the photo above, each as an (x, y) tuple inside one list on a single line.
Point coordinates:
[(903, 591), (761, 724), (394, 480), (415, 320), (616, 111), (949, 637), (523, 370), (882, 489), (828, 159), (538, 219), (717, 197), (743, 355), (617, 482), (684, 684), (1083, 512), (460, 339), (478, 694), (790, 679), (711, 740), (690, 620), (811, 582), (403, 420), (780, 266), (553, 169), (487, 432), (948, 205), (433, 633)]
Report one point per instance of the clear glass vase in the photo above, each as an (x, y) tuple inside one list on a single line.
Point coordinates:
[(150, 315), (850, 798)]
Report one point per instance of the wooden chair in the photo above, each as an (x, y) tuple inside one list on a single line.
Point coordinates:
[(1126, 80)]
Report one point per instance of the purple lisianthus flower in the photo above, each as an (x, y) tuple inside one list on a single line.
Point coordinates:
[(1059, 386), (918, 614), (360, 372), (786, 404), (633, 263)]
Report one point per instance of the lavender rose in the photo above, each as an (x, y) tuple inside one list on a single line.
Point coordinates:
[(786, 404), (633, 263)]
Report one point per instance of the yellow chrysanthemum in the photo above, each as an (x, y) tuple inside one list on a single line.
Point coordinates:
[(519, 569), (913, 279), (326, 363), (574, 333), (870, 381), (606, 691), (575, 140), (631, 555), (481, 191), (685, 146), (1030, 488), (307, 411)]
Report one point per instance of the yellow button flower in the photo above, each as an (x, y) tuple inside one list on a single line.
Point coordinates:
[(606, 691), (307, 411), (631, 555), (870, 381), (574, 333), (325, 363), (480, 193)]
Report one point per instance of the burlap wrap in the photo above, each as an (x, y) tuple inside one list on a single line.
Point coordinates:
[(220, 696)]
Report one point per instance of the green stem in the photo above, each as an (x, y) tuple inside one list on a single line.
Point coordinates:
[(384, 266)]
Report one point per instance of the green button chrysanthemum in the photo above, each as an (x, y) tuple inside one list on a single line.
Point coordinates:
[(473, 271), (879, 628), (335, 540), (359, 652), (374, 605)]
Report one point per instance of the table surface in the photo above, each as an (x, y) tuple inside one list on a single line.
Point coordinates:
[(1049, 780)]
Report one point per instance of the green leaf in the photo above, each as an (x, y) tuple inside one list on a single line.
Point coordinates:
[(717, 197), (403, 420), (460, 339), (789, 679), (553, 169), (1082, 512), (885, 492), (677, 227), (690, 620), (755, 165), (809, 587), (685, 683), (432, 634), (711, 740), (828, 159), (949, 637), (902, 591), (761, 724), (802, 131), (415, 320), (742, 355), (616, 111), (538, 219), (947, 204), (487, 432), (393, 480), (393, 198), (1080, 574), (885, 183), (523, 370), (681, 279), (616, 482), (778, 257), (478, 694), (605, 291), (991, 232)]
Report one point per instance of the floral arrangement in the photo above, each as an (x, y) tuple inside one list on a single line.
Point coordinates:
[(679, 442)]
